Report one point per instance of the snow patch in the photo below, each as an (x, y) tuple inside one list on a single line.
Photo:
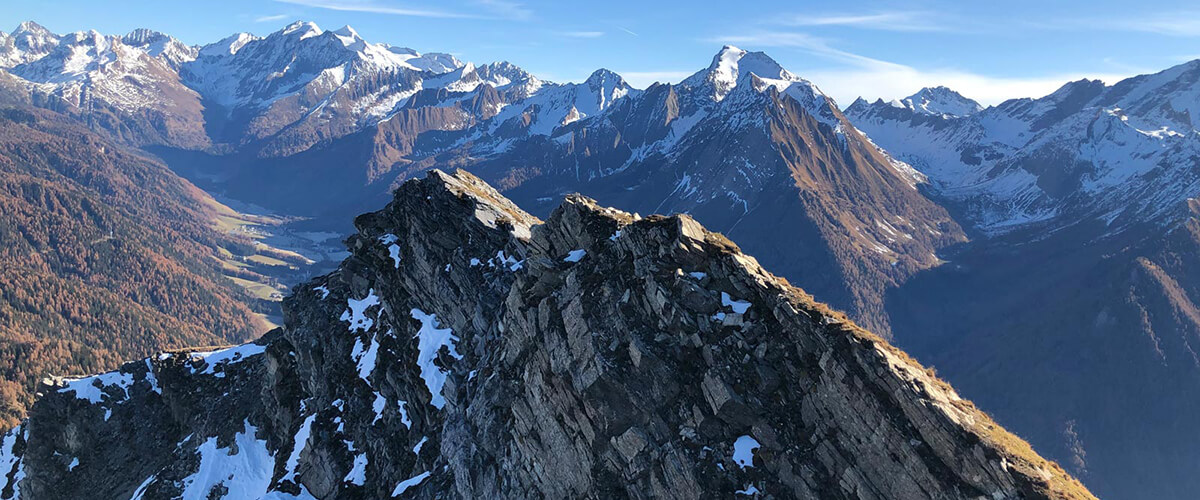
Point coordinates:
[(91, 389), (739, 306), (358, 473), (299, 442), (430, 341), (356, 315), (228, 356), (575, 255), (743, 451), (244, 470), (394, 252), (409, 483), (365, 358)]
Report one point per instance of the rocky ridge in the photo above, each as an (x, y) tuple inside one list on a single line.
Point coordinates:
[(466, 349)]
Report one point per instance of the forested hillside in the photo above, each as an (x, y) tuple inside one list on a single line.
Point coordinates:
[(104, 255)]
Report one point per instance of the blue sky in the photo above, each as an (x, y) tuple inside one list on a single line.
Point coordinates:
[(987, 50)]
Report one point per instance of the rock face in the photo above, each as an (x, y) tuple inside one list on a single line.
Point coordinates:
[(466, 349)]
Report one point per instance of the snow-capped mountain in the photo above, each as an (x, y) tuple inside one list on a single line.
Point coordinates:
[(940, 101), (739, 143), (1124, 154), (1076, 302), (29, 42), (560, 105), (281, 93), (128, 85), (738, 139)]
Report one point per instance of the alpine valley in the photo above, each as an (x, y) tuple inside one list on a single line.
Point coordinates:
[(1042, 254)]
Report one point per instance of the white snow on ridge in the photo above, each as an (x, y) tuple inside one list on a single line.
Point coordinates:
[(91, 389), (228, 356), (356, 315), (365, 358), (245, 470), (394, 252), (409, 483), (9, 460), (430, 340), (299, 442), (358, 472)]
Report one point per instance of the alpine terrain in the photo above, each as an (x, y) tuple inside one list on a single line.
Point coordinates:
[(1041, 254), (467, 349)]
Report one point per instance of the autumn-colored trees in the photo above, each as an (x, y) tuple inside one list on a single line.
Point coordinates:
[(105, 256)]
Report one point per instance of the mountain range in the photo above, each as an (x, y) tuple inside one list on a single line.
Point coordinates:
[(1070, 221)]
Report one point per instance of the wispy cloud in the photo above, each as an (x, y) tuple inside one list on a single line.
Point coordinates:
[(267, 19), (1183, 24), (506, 9), (581, 34), (1178, 24), (375, 8), (803, 41), (885, 21), (627, 30)]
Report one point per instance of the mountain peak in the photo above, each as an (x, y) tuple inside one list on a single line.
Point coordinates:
[(350, 38), (347, 32), (304, 28), (143, 36), (602, 75), (31, 28), (227, 46), (941, 101), (732, 64)]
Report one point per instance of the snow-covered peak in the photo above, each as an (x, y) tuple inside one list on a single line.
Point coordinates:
[(348, 32), (602, 75), (731, 65), (608, 86), (941, 101), (433, 62), (160, 45), (31, 28), (143, 36), (29, 42), (228, 46), (350, 38), (301, 29)]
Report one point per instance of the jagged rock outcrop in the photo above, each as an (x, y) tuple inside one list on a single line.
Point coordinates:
[(468, 350)]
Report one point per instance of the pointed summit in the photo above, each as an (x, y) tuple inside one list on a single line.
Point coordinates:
[(603, 76), (30, 27), (731, 65), (304, 29), (143, 36), (347, 31), (941, 101), (607, 87), (350, 38)]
